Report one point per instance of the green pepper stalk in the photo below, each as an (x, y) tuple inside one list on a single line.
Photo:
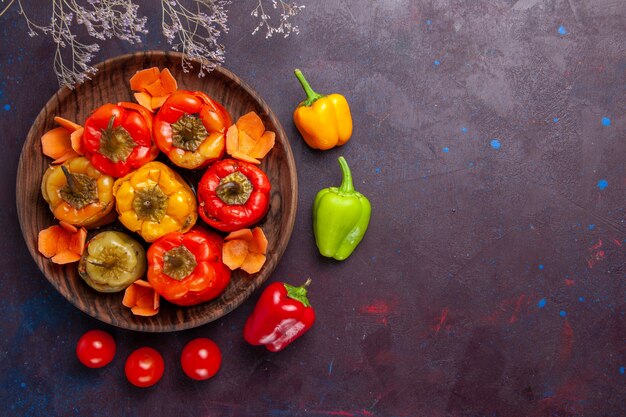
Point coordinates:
[(340, 217)]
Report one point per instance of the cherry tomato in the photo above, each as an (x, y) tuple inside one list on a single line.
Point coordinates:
[(201, 359), (95, 349), (144, 367)]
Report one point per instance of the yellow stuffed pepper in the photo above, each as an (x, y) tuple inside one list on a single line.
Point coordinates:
[(78, 193), (154, 201)]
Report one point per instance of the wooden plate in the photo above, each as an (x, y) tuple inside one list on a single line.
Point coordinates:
[(110, 84)]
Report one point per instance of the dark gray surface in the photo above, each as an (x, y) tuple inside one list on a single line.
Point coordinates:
[(490, 282)]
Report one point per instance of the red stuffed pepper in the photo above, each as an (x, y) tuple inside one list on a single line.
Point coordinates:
[(233, 195), (187, 268), (190, 128), (118, 138), (282, 314)]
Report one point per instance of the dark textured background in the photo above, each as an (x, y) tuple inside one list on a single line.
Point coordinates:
[(491, 280)]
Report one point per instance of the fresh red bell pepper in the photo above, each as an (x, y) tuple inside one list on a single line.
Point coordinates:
[(282, 314), (233, 195), (187, 268), (118, 138)]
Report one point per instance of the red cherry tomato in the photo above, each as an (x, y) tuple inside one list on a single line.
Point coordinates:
[(144, 367), (95, 349), (201, 359)]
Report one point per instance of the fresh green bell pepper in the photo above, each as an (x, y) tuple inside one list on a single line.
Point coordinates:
[(340, 217)]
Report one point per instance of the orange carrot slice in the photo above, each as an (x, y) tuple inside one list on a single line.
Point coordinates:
[(258, 243), (155, 89), (144, 311), (65, 257), (77, 243), (157, 102), (56, 142), (244, 157), (48, 239), (234, 253), (130, 296), (252, 124), (144, 99), (76, 140), (232, 139), (264, 145), (62, 244), (65, 157), (68, 124), (245, 234), (169, 82), (69, 227), (141, 298), (253, 263), (143, 78)]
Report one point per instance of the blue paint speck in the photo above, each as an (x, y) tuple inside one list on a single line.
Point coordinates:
[(495, 144), (606, 121), (581, 299), (562, 30), (541, 266), (592, 226), (429, 22), (542, 303), (23, 385), (7, 107), (621, 370), (437, 62), (602, 184), (446, 149), (330, 367), (562, 313), (464, 129), (555, 120), (377, 170)]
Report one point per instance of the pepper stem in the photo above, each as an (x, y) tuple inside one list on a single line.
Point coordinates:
[(311, 95), (299, 293), (69, 177), (346, 183)]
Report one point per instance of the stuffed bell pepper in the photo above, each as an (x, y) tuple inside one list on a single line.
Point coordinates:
[(154, 201), (190, 129)]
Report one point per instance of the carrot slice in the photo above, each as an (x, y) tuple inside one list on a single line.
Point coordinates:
[(145, 77), (68, 124), (130, 296), (244, 157), (141, 298), (232, 139), (69, 227), (253, 263), (47, 241), (252, 124), (264, 145), (65, 157), (258, 244), (144, 99), (157, 102), (56, 142), (234, 253), (155, 89), (245, 234), (246, 142), (144, 311), (169, 82), (65, 257), (77, 242), (76, 140)]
